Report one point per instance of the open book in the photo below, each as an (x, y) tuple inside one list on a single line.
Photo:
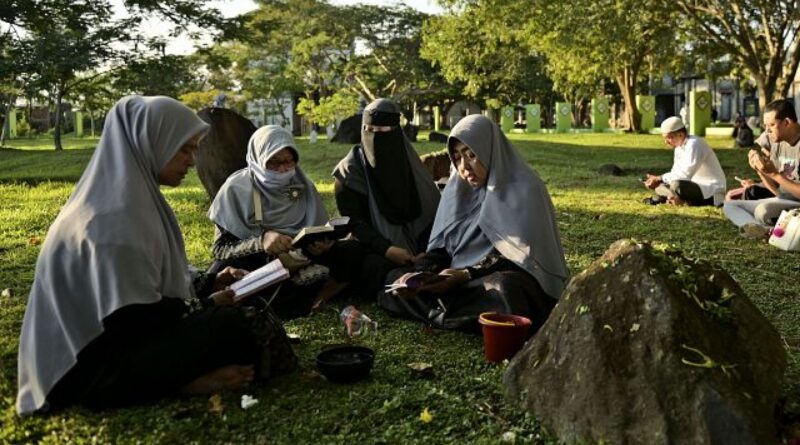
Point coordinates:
[(334, 229), (259, 279), (415, 281)]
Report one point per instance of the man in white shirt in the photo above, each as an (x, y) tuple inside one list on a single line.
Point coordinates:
[(777, 165), (696, 178)]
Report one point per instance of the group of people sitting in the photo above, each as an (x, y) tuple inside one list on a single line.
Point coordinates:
[(116, 315), (696, 177)]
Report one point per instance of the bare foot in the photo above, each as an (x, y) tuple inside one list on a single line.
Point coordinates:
[(228, 377)]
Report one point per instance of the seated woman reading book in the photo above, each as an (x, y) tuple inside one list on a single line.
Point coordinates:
[(495, 240), (113, 316), (261, 208), (389, 196)]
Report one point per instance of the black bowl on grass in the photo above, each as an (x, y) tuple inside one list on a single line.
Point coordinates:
[(343, 364)]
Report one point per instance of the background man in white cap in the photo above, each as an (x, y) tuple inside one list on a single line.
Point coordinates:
[(696, 178), (777, 166)]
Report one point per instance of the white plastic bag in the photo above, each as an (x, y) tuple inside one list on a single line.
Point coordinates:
[(786, 234)]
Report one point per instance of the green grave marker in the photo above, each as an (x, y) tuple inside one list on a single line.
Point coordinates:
[(600, 114), (507, 119), (11, 124), (647, 108), (533, 113), (78, 124), (699, 112), (563, 117)]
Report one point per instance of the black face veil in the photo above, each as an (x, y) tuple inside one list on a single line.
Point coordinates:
[(388, 170)]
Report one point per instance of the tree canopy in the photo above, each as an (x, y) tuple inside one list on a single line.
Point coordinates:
[(54, 45), (478, 48), (763, 37)]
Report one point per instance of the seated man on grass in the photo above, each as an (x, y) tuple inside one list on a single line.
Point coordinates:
[(696, 178), (776, 164)]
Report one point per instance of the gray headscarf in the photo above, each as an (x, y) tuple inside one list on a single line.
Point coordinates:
[(116, 242), (402, 196), (285, 208), (512, 210)]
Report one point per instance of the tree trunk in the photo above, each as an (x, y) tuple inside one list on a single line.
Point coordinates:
[(57, 131), (764, 93), (3, 128), (626, 81), (91, 121)]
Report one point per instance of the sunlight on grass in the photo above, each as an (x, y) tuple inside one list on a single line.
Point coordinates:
[(593, 211)]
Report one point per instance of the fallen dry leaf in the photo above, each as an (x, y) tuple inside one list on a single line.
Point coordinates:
[(425, 416)]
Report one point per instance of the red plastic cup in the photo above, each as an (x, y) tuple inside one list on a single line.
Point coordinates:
[(503, 334)]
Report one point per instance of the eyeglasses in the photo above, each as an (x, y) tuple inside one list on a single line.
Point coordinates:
[(276, 164)]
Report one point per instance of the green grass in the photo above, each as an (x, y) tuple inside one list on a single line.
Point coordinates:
[(465, 396)]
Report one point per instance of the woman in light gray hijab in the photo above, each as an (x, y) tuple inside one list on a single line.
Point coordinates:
[(258, 211), (495, 238), (114, 315)]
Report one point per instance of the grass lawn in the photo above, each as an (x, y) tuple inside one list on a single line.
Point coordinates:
[(465, 395)]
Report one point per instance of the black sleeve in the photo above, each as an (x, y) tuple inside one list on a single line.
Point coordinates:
[(227, 246), (203, 284), (434, 261), (491, 263), (356, 206)]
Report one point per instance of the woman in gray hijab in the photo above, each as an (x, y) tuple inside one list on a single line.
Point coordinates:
[(115, 317), (495, 239), (387, 193), (259, 210)]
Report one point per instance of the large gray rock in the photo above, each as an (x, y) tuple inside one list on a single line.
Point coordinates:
[(437, 164), (222, 151), (349, 131), (648, 347)]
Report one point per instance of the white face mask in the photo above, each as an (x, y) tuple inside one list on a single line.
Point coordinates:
[(277, 178)]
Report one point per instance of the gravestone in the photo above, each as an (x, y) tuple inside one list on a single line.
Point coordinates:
[(600, 113), (437, 164), (647, 108), (699, 112), (78, 124), (349, 131), (563, 117), (507, 119), (533, 113), (647, 346), (610, 170), (437, 137), (223, 149), (11, 123)]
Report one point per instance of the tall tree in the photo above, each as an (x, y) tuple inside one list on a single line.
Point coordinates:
[(474, 46), (334, 55), (763, 36), (95, 95), (587, 40), (387, 62), (61, 41), (67, 39), (167, 75)]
